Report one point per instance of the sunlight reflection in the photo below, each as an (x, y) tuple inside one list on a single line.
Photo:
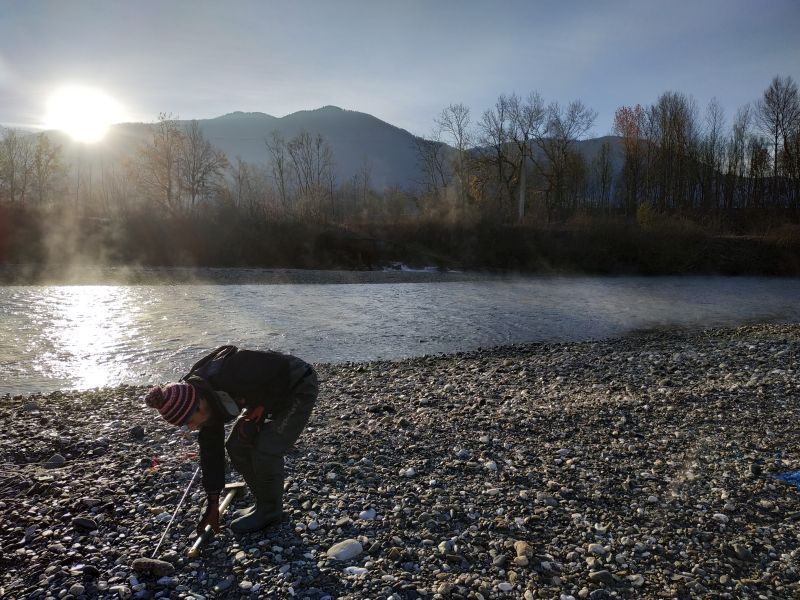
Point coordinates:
[(89, 325)]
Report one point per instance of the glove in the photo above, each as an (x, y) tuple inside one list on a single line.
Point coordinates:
[(210, 516)]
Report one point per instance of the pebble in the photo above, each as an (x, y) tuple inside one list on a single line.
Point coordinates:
[(597, 549)]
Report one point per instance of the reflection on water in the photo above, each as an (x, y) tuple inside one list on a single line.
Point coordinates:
[(80, 337), (88, 328)]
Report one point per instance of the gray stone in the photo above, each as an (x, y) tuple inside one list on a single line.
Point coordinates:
[(602, 576), (55, 461), (159, 568)]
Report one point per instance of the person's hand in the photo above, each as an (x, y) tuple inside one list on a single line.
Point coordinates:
[(210, 516)]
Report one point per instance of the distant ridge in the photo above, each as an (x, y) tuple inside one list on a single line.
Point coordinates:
[(359, 141)]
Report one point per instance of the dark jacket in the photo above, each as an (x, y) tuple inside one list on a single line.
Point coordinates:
[(251, 378)]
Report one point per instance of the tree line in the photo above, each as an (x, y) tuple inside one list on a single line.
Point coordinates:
[(519, 162)]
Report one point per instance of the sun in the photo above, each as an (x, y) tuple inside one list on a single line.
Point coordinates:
[(84, 113)]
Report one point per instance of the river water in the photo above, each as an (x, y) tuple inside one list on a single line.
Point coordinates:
[(80, 337)]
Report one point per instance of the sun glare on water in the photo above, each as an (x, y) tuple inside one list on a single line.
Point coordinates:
[(84, 113)]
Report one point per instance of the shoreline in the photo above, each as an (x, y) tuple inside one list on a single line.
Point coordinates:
[(39, 276), (642, 466), (70, 275)]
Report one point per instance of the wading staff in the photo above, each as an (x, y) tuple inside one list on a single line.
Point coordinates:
[(177, 508)]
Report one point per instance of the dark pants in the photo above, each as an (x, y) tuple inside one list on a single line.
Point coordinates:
[(262, 457)]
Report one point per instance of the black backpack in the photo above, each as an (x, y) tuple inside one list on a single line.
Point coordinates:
[(211, 364), (204, 373)]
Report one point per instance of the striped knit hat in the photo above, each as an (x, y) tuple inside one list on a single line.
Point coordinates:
[(176, 402)]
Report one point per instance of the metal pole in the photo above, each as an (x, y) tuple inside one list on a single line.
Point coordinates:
[(163, 535)]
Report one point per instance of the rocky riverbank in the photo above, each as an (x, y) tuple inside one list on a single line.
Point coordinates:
[(635, 468)]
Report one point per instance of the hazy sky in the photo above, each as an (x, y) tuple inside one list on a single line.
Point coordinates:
[(402, 61)]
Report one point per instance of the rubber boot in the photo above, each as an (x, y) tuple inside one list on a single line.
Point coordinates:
[(243, 512), (267, 487)]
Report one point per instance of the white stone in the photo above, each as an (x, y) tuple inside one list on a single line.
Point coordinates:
[(345, 550), (357, 571), (368, 515), (505, 587), (491, 465)]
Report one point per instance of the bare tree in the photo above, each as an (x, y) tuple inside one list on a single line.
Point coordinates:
[(46, 167), (16, 157), (564, 126), (629, 124), (778, 114), (311, 162), (454, 123), (159, 163), (279, 166), (528, 119), (200, 165), (431, 158), (673, 134), (711, 155), (497, 152), (736, 158), (602, 177)]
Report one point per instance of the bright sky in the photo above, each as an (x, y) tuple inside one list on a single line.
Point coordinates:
[(402, 61)]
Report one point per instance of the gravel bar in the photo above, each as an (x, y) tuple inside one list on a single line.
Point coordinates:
[(641, 467)]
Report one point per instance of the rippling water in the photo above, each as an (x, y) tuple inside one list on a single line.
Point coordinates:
[(58, 337)]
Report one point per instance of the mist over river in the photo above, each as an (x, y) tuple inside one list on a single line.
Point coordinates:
[(80, 337)]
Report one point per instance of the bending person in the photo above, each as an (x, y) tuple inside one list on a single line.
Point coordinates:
[(271, 395)]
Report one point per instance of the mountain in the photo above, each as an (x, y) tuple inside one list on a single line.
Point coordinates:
[(357, 139)]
